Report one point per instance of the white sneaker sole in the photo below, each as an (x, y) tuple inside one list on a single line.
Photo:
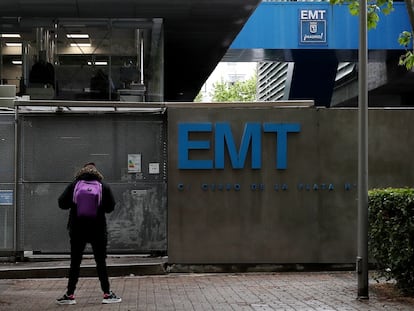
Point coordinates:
[(107, 301), (68, 302)]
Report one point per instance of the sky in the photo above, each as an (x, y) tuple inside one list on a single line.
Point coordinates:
[(229, 72)]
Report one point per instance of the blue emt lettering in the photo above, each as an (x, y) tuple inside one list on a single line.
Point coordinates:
[(224, 140)]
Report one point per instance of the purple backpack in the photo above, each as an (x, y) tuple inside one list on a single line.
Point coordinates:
[(87, 195)]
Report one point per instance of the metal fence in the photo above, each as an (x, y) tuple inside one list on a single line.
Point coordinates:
[(129, 147)]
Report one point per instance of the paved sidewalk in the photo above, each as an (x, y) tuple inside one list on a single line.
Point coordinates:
[(250, 291)]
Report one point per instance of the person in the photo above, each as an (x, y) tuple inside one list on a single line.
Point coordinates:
[(83, 230), (42, 72), (101, 85)]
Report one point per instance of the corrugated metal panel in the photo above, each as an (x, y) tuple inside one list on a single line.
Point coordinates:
[(271, 81), (54, 147)]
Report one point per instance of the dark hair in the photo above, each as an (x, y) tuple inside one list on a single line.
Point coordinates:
[(89, 168)]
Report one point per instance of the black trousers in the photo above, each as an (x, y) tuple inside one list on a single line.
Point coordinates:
[(78, 241)]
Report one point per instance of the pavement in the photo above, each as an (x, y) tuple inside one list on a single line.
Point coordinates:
[(149, 283)]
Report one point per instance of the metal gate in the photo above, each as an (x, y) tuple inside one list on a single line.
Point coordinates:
[(7, 215), (128, 148)]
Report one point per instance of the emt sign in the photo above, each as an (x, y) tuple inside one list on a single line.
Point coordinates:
[(223, 141), (312, 24)]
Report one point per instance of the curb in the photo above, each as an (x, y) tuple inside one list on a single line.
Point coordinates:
[(86, 271)]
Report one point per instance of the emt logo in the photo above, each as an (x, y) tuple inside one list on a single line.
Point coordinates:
[(312, 25), (224, 140)]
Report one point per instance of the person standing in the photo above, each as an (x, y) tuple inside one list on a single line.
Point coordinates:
[(88, 199)]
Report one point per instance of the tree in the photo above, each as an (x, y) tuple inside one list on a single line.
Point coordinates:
[(199, 97), (239, 91), (386, 7)]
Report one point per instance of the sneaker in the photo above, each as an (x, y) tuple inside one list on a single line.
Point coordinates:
[(66, 300), (111, 298)]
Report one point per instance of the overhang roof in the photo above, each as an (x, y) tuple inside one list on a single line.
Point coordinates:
[(197, 33)]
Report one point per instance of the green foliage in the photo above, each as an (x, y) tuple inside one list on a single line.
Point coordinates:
[(373, 9), (406, 59), (405, 38), (391, 234), (239, 91), (199, 97)]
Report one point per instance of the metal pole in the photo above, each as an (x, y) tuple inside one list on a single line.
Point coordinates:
[(17, 247), (25, 67), (141, 55), (1, 62), (362, 259)]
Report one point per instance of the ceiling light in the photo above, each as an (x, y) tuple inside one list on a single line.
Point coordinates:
[(80, 44), (17, 62), (98, 63), (77, 36), (10, 35), (13, 44)]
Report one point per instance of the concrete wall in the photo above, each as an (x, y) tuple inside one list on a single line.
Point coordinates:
[(305, 213), (300, 211)]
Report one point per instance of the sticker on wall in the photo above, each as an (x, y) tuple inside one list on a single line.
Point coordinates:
[(313, 26), (134, 163), (6, 197), (154, 168)]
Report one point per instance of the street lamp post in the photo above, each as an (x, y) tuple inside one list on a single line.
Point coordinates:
[(362, 257)]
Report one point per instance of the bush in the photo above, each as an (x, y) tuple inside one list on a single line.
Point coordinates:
[(391, 234)]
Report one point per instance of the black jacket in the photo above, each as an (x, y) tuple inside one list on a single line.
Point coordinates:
[(97, 225)]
